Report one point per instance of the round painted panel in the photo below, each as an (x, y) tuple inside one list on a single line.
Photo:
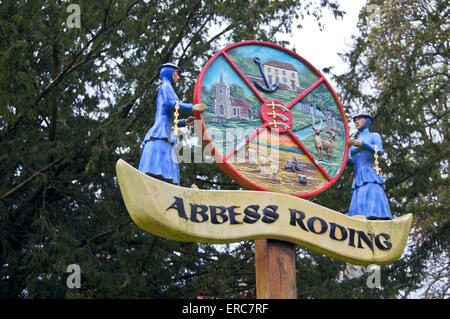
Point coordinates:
[(273, 121)]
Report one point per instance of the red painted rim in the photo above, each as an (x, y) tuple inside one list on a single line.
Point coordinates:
[(221, 160)]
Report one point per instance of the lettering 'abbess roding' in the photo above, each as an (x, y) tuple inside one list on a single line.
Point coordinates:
[(235, 215)]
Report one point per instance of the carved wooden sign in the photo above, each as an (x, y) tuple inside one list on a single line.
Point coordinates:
[(273, 124), (273, 121), (209, 216)]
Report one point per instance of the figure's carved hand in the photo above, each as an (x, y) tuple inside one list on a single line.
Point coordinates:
[(190, 121), (355, 142), (199, 107)]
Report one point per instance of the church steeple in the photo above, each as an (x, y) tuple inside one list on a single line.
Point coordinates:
[(222, 103)]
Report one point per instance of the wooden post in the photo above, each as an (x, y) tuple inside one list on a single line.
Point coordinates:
[(275, 269)]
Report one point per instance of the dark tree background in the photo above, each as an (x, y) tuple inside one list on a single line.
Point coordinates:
[(399, 73), (75, 100)]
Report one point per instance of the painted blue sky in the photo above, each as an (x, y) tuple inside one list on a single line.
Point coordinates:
[(221, 66)]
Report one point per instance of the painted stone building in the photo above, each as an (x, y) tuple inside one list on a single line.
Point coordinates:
[(227, 107), (284, 72)]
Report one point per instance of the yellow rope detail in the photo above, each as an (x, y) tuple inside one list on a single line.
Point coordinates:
[(175, 121), (375, 155)]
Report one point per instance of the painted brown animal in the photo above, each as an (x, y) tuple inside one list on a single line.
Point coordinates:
[(327, 144), (317, 138), (321, 143)]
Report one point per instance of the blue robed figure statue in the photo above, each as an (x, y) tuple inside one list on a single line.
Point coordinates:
[(158, 158), (368, 196)]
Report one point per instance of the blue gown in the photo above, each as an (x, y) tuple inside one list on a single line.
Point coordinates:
[(158, 157), (368, 196)]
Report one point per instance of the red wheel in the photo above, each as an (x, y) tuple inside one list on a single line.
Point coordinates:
[(262, 123)]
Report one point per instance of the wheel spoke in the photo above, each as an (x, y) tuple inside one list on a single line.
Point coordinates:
[(309, 155), (276, 118), (244, 78), (305, 93), (247, 140)]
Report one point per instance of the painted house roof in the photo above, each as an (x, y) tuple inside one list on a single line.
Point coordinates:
[(243, 103), (281, 65)]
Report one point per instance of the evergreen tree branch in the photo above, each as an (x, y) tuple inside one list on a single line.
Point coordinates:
[(72, 66), (104, 234), (417, 171), (181, 33), (125, 109), (29, 179)]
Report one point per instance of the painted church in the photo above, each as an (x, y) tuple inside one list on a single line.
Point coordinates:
[(227, 107)]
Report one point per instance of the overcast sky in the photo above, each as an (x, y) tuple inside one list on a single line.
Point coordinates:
[(321, 48)]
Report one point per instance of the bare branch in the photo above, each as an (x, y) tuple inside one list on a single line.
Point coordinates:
[(29, 179)]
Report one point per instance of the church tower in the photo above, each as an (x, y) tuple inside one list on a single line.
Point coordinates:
[(222, 106)]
